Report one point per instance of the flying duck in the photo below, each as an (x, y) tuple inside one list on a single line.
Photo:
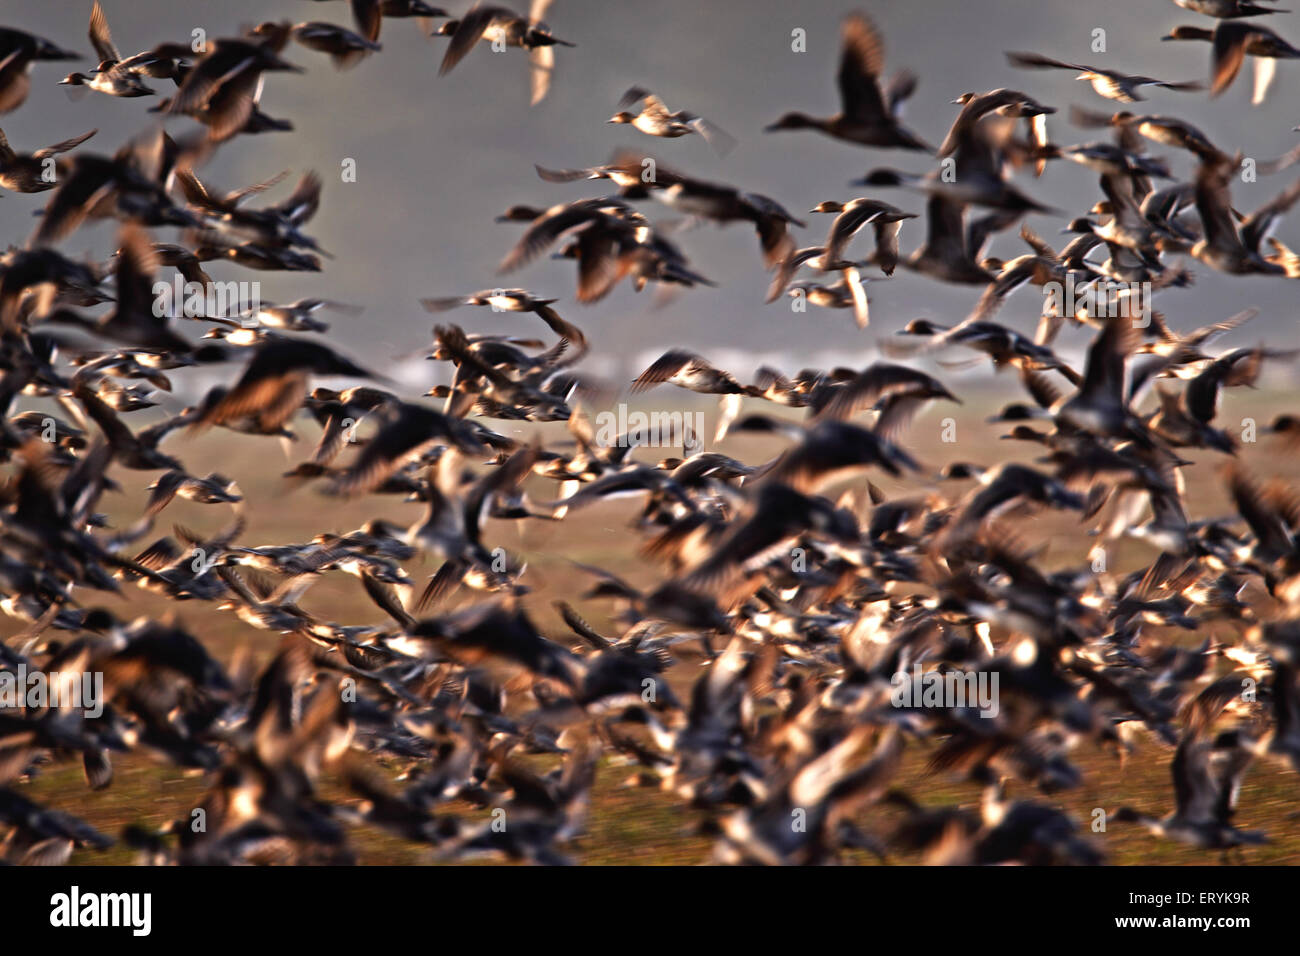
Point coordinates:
[(655, 119), (111, 76), (18, 51), (502, 27), (32, 172), (1231, 42), (1111, 84), (869, 114)]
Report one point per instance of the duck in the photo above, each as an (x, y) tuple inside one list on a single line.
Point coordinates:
[(274, 384), (847, 292), (799, 390), (239, 333), (1168, 131), (690, 371), (44, 837), (502, 27), (1182, 350), (368, 14), (885, 219), (1043, 267), (344, 48), (828, 449), (895, 392), (655, 119), (1007, 832), (814, 257), (610, 240), (134, 320), (405, 432), (1283, 742), (111, 76), (222, 89), (34, 172), (298, 315), (1228, 9), (487, 370), (1232, 42), (109, 81), (260, 256), (18, 51), (1287, 427), (1178, 425), (1004, 103), (945, 254), (1111, 84), (125, 398), (1001, 488), (1207, 772), (498, 300), (718, 202), (826, 785), (1100, 405), (981, 187), (1127, 241), (211, 489), (869, 114), (516, 300), (1005, 346), (277, 225), (1227, 246)]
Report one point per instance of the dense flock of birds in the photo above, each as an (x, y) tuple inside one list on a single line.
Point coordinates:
[(457, 723)]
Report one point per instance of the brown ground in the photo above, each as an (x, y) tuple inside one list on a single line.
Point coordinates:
[(635, 825)]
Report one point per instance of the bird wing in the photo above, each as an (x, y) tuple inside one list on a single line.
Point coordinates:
[(61, 147), (665, 367), (136, 264), (1212, 204), (543, 63), (100, 37), (1261, 222), (900, 88), (861, 306), (1036, 61), (547, 229), (1265, 70), (862, 60), (368, 16), (1228, 52), (721, 141), (469, 31)]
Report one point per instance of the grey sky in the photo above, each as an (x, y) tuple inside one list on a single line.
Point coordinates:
[(437, 158)]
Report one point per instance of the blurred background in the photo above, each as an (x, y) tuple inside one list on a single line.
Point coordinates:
[(438, 157)]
